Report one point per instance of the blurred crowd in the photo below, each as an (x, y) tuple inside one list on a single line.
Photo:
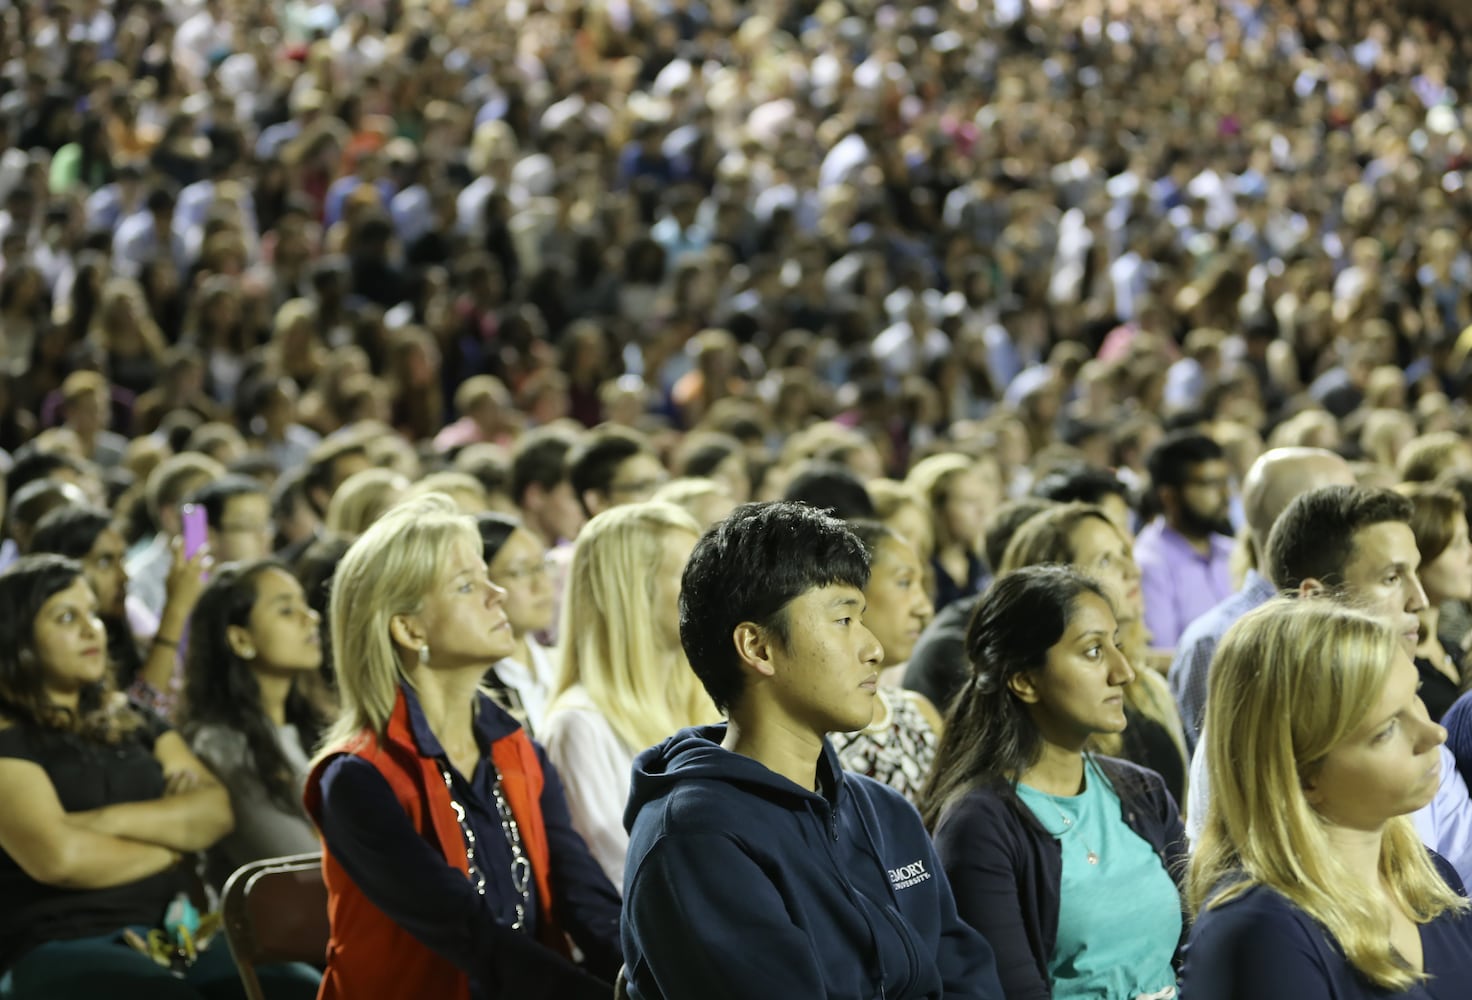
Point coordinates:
[(948, 271)]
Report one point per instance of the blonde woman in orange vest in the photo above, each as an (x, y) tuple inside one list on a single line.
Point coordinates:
[(451, 865)]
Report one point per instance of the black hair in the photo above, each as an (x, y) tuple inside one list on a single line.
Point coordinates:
[(34, 501), (1009, 517), (594, 462), (1169, 462), (32, 464), (990, 738), (872, 533), (749, 568), (1080, 483), (215, 495), (220, 688), (25, 587), (706, 452), (1313, 539), (494, 530), (833, 488), (540, 458), (70, 531), (314, 569)]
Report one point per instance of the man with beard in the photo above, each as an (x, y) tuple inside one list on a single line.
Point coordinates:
[(1184, 552)]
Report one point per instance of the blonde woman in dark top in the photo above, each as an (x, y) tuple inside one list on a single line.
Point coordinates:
[(1309, 881)]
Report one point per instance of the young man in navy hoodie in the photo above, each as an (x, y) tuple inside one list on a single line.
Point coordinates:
[(756, 867)]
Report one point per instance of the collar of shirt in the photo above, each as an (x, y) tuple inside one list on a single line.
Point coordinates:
[(489, 722)]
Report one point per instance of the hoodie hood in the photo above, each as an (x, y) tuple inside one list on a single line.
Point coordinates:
[(697, 754)]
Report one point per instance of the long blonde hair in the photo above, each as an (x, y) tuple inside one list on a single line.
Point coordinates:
[(1290, 682), (608, 632), (388, 571)]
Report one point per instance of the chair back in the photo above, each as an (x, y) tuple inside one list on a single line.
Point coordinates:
[(275, 910)]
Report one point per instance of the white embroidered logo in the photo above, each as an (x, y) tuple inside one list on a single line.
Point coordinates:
[(907, 875)]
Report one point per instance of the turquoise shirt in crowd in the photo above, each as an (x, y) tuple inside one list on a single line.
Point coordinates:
[(1119, 917)]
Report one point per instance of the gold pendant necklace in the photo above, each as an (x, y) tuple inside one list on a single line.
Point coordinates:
[(1093, 856)]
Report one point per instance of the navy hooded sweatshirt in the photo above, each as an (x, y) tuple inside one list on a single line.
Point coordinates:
[(740, 884)]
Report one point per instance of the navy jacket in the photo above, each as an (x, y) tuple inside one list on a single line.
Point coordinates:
[(1005, 868), (1260, 946), (740, 884)]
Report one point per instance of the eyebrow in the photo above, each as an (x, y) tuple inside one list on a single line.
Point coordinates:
[(846, 602)]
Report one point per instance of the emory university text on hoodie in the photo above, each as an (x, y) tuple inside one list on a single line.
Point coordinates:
[(740, 884)]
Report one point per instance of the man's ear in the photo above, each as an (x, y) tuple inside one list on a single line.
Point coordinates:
[(1024, 687), (1311, 587), (754, 646)]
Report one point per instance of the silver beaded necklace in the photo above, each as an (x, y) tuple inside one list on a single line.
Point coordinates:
[(521, 866)]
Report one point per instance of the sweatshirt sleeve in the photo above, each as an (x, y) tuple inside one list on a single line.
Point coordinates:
[(984, 877), (967, 965), (693, 908), (369, 834), (1257, 949)]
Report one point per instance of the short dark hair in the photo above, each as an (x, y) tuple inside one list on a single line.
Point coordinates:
[(1004, 524), (831, 487), (1170, 461), (32, 464), (1080, 483), (595, 461), (749, 568), (494, 530), (216, 494), (70, 531), (1314, 538), (540, 458)]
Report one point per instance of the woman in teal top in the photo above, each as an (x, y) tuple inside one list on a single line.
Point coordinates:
[(1062, 859)]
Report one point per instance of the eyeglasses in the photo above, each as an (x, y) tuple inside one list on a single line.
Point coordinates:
[(518, 574)]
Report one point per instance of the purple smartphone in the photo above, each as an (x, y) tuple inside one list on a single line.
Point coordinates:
[(196, 529)]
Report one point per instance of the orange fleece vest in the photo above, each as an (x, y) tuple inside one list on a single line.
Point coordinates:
[(368, 955)]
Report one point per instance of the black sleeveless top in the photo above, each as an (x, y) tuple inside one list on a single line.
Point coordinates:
[(86, 775)]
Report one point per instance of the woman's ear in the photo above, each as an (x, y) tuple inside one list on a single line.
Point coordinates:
[(1024, 686), (407, 632), (241, 643)]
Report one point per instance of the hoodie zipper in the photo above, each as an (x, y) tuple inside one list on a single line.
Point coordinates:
[(877, 969)]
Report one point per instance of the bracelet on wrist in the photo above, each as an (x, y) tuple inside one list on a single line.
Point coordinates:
[(160, 640)]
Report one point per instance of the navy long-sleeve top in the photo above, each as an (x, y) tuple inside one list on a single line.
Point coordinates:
[(1260, 946), (406, 877)]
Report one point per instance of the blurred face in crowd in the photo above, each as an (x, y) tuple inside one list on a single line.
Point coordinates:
[(1100, 551), (634, 481), (970, 499), (1448, 577), (1202, 500), (898, 606), (1380, 578), (520, 568), (283, 633), (70, 641), (246, 530), (103, 567)]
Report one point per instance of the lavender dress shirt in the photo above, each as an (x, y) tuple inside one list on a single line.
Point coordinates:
[(1178, 583)]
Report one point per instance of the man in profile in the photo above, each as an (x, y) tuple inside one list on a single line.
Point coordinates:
[(757, 868)]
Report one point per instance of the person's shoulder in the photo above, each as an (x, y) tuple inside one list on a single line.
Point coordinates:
[(982, 808), (1256, 922)]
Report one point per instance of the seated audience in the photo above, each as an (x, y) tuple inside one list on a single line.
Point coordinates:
[(1439, 522), (1064, 860), (1084, 537), (897, 747), (521, 683), (254, 644), (1309, 880), (103, 805), (451, 866), (625, 684), (757, 867)]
